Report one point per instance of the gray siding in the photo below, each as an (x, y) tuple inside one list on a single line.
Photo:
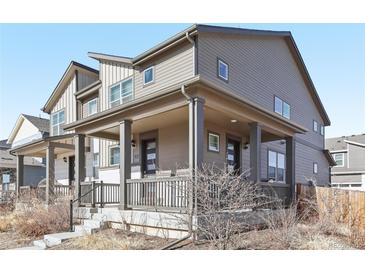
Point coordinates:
[(259, 68), (33, 175), (356, 157), (347, 178)]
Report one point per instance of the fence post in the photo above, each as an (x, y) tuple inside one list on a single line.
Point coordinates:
[(101, 194), (71, 216), (93, 194)]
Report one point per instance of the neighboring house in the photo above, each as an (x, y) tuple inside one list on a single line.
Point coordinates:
[(349, 154), (27, 129), (241, 99)]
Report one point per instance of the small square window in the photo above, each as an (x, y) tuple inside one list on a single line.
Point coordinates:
[(315, 126), (222, 70), (315, 168), (148, 75), (213, 142)]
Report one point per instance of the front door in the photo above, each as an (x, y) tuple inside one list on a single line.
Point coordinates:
[(233, 155), (71, 170), (149, 157)]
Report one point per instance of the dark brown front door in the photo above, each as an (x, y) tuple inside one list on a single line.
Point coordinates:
[(149, 156), (71, 169), (233, 155)]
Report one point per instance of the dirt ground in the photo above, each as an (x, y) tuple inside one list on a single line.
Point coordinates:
[(11, 240)]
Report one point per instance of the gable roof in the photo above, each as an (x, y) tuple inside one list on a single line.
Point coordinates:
[(4, 144), (41, 124), (57, 92), (340, 143), (200, 28)]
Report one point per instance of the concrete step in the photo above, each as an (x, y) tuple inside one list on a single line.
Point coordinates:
[(58, 238), (93, 223), (98, 216), (84, 212), (40, 243), (86, 229)]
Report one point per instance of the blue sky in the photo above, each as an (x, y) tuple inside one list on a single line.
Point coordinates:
[(33, 58)]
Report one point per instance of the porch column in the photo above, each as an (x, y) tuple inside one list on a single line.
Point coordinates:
[(255, 151), (198, 132), (19, 173), (125, 131), (290, 166), (49, 174), (80, 171)]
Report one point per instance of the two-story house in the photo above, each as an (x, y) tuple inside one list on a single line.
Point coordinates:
[(349, 154), (237, 98)]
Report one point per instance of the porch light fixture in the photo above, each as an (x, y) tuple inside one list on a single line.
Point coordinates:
[(133, 143), (233, 121), (65, 159), (245, 146)]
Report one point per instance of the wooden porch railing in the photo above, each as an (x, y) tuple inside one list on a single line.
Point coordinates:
[(158, 193), (101, 194)]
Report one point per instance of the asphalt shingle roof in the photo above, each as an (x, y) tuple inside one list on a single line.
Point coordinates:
[(41, 123), (338, 143)]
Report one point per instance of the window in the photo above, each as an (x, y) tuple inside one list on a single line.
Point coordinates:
[(315, 168), (148, 75), (213, 142), (6, 182), (322, 130), (222, 70), (339, 159), (281, 107), (92, 107), (96, 165), (276, 166), (58, 119), (121, 92), (114, 156), (315, 126)]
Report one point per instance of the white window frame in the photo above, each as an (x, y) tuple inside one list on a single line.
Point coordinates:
[(221, 62), (322, 130), (281, 111), (120, 99), (88, 106), (343, 159), (213, 149), (110, 155), (315, 126), (276, 165), (315, 168), (153, 75), (58, 124)]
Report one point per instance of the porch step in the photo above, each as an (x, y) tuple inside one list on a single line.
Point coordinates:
[(98, 216), (93, 223), (58, 238), (86, 229), (40, 243)]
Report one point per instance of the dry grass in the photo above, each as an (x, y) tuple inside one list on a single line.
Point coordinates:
[(112, 239)]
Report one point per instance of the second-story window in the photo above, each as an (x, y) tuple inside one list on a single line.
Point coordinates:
[(339, 159), (121, 92), (315, 126), (322, 130), (57, 120), (148, 75), (92, 107), (222, 70), (281, 107)]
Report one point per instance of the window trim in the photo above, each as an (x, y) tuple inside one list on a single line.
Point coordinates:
[(120, 91), (315, 123), (109, 151), (276, 168), (58, 124), (153, 76), (220, 60), (321, 129), (343, 159), (219, 140), (282, 107), (315, 168), (88, 106)]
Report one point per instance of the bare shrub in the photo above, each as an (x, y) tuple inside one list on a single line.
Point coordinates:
[(37, 219), (223, 202)]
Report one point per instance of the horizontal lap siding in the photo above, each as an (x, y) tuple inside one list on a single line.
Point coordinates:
[(347, 178), (260, 68), (111, 73), (170, 68)]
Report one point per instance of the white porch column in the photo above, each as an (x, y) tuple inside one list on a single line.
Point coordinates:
[(19, 173), (255, 152), (125, 131), (80, 171), (50, 175), (290, 166)]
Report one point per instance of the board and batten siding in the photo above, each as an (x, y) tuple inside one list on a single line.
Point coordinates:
[(111, 73), (259, 68), (85, 79)]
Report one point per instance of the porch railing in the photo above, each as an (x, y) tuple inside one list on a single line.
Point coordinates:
[(158, 193), (101, 194)]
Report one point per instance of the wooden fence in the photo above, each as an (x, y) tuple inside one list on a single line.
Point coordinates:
[(345, 206)]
